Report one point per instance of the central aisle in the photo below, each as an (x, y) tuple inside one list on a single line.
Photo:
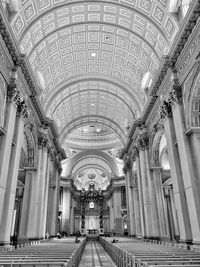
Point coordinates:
[(94, 255)]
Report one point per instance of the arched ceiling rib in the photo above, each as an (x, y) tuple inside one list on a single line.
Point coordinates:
[(92, 55), (92, 119), (92, 161)]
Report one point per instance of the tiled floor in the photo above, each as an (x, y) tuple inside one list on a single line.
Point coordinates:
[(94, 256)]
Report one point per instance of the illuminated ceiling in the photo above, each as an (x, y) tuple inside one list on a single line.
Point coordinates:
[(89, 58), (91, 175)]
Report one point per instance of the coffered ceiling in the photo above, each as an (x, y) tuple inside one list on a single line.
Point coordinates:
[(90, 57)]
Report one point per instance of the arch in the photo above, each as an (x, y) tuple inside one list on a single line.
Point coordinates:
[(91, 160), (192, 110), (91, 166), (92, 119), (92, 153)]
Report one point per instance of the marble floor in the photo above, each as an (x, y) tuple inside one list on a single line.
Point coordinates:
[(94, 255)]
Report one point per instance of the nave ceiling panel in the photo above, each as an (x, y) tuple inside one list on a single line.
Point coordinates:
[(90, 58)]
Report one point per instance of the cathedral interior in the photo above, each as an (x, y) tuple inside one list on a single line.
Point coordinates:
[(100, 119)]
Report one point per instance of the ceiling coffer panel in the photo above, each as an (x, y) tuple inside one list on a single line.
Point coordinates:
[(90, 58)]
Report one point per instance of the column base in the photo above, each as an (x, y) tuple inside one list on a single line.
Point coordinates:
[(157, 238), (5, 244), (189, 242)]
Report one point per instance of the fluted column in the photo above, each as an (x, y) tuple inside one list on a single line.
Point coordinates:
[(117, 210), (34, 179), (72, 217), (174, 214), (112, 216), (6, 140), (52, 215), (152, 198), (46, 191), (189, 171), (11, 181), (136, 204), (66, 209), (145, 188), (129, 198), (26, 204), (41, 187), (140, 195), (175, 168), (157, 179)]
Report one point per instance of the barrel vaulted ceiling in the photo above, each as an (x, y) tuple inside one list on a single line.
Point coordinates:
[(90, 57)]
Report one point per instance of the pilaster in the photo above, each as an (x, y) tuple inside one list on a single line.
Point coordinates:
[(129, 198), (140, 194), (141, 143), (11, 181), (136, 203), (157, 180), (66, 209), (176, 171), (7, 139), (26, 218), (189, 170), (117, 210)]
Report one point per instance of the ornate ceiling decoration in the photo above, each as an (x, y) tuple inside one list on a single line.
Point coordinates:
[(98, 177), (89, 58), (112, 41), (92, 161)]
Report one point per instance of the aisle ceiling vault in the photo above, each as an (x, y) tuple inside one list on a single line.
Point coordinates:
[(90, 57)]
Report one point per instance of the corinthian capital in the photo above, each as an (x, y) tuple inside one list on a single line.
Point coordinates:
[(142, 142), (22, 107), (135, 151), (166, 110), (43, 142), (176, 93)]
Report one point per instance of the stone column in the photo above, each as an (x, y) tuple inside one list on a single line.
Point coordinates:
[(46, 191), (41, 187), (11, 181), (157, 180), (129, 198), (117, 210), (189, 171), (175, 168), (72, 217), (140, 195), (145, 189), (112, 216), (34, 189), (137, 217), (66, 209), (26, 204), (152, 198), (174, 214), (6, 140), (52, 215), (169, 211)]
